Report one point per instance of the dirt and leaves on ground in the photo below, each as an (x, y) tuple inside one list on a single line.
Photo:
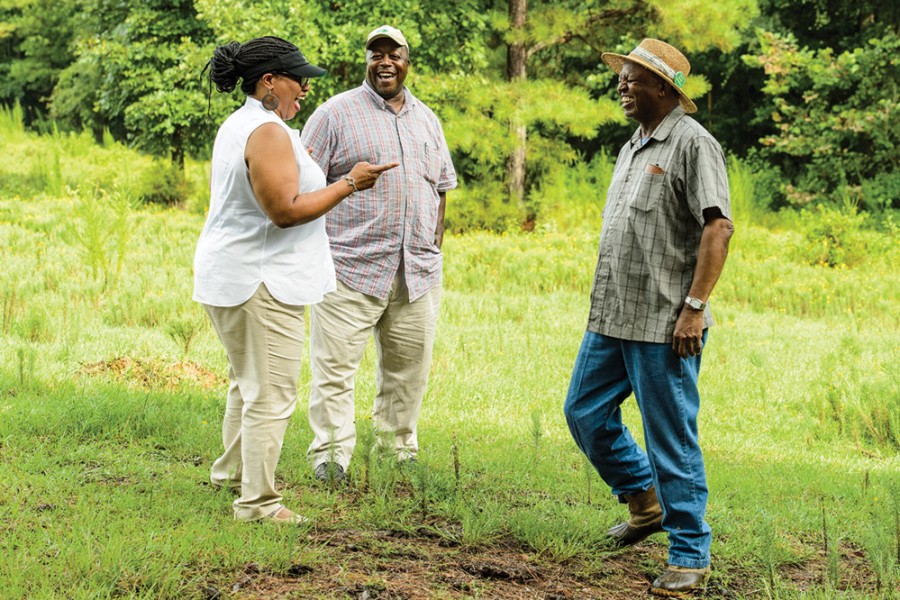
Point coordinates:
[(427, 563)]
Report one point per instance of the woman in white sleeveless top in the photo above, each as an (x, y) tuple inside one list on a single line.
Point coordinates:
[(262, 256)]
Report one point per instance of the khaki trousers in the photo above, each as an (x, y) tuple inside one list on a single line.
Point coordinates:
[(263, 339), (339, 330)]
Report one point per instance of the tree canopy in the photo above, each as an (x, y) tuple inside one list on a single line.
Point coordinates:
[(806, 88)]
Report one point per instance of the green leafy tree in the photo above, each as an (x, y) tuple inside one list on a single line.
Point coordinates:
[(137, 73), (737, 110), (35, 46), (836, 24), (837, 120), (560, 41)]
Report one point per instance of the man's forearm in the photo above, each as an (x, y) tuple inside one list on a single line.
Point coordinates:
[(711, 257), (439, 227)]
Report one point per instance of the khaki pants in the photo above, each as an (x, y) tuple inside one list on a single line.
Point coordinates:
[(339, 329), (263, 339)]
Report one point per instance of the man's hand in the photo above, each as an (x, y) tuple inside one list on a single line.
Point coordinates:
[(688, 337)]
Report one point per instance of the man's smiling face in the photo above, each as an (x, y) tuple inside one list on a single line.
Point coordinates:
[(639, 92), (386, 67)]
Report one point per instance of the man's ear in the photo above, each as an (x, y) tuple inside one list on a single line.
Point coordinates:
[(666, 90)]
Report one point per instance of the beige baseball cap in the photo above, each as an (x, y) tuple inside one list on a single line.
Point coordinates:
[(386, 31)]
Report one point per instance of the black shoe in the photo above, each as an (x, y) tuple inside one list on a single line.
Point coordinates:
[(330, 472), (677, 582)]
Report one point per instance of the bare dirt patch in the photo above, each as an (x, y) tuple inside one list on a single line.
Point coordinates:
[(852, 572), (392, 565), (368, 565), (153, 373)]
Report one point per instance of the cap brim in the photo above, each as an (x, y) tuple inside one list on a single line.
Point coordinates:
[(308, 70), (615, 62)]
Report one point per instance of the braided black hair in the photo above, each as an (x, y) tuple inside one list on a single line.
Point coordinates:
[(231, 61)]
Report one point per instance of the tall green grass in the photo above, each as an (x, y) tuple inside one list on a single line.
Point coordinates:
[(63, 161)]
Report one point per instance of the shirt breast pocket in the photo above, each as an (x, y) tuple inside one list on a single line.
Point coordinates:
[(648, 191), (431, 162)]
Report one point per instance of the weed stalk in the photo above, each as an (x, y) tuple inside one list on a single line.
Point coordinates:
[(537, 432), (588, 471), (454, 450)]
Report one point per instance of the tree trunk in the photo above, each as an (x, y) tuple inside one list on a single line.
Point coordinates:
[(178, 150), (516, 57)]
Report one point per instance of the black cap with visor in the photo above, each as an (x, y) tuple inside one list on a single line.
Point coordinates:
[(292, 63)]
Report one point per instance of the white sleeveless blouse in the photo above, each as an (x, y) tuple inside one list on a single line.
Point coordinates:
[(239, 247)]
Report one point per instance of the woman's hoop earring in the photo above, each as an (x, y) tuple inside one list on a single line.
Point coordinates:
[(269, 101)]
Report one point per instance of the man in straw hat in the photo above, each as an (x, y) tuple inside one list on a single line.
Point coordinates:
[(386, 244), (665, 234)]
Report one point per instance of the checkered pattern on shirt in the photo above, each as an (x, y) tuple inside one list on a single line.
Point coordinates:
[(372, 230), (651, 231)]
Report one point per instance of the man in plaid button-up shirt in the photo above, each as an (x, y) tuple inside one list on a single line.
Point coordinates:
[(665, 235), (386, 244)]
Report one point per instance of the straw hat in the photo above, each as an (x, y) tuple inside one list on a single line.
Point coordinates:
[(662, 59)]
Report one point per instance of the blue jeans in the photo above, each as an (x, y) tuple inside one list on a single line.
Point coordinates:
[(606, 372)]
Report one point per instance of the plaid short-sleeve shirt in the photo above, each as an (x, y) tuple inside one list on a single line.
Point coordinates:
[(371, 231), (652, 223)]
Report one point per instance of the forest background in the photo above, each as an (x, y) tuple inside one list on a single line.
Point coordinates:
[(804, 91), (112, 381)]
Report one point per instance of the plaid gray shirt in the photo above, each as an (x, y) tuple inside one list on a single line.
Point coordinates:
[(652, 223), (372, 230)]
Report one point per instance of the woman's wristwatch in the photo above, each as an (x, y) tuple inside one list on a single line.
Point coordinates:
[(351, 182)]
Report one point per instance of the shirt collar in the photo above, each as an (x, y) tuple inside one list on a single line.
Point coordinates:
[(664, 128), (251, 101), (382, 103)]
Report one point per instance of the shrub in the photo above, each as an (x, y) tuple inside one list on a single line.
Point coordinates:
[(832, 236), (481, 207), (163, 184)]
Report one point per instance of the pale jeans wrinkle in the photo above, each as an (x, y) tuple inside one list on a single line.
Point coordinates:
[(263, 339), (607, 370), (340, 327)]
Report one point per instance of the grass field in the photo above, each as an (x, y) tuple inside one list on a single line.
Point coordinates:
[(112, 388)]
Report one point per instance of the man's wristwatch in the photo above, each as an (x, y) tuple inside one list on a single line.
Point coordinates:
[(695, 303)]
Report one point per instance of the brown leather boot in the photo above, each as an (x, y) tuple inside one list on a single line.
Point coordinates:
[(677, 582), (646, 519)]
